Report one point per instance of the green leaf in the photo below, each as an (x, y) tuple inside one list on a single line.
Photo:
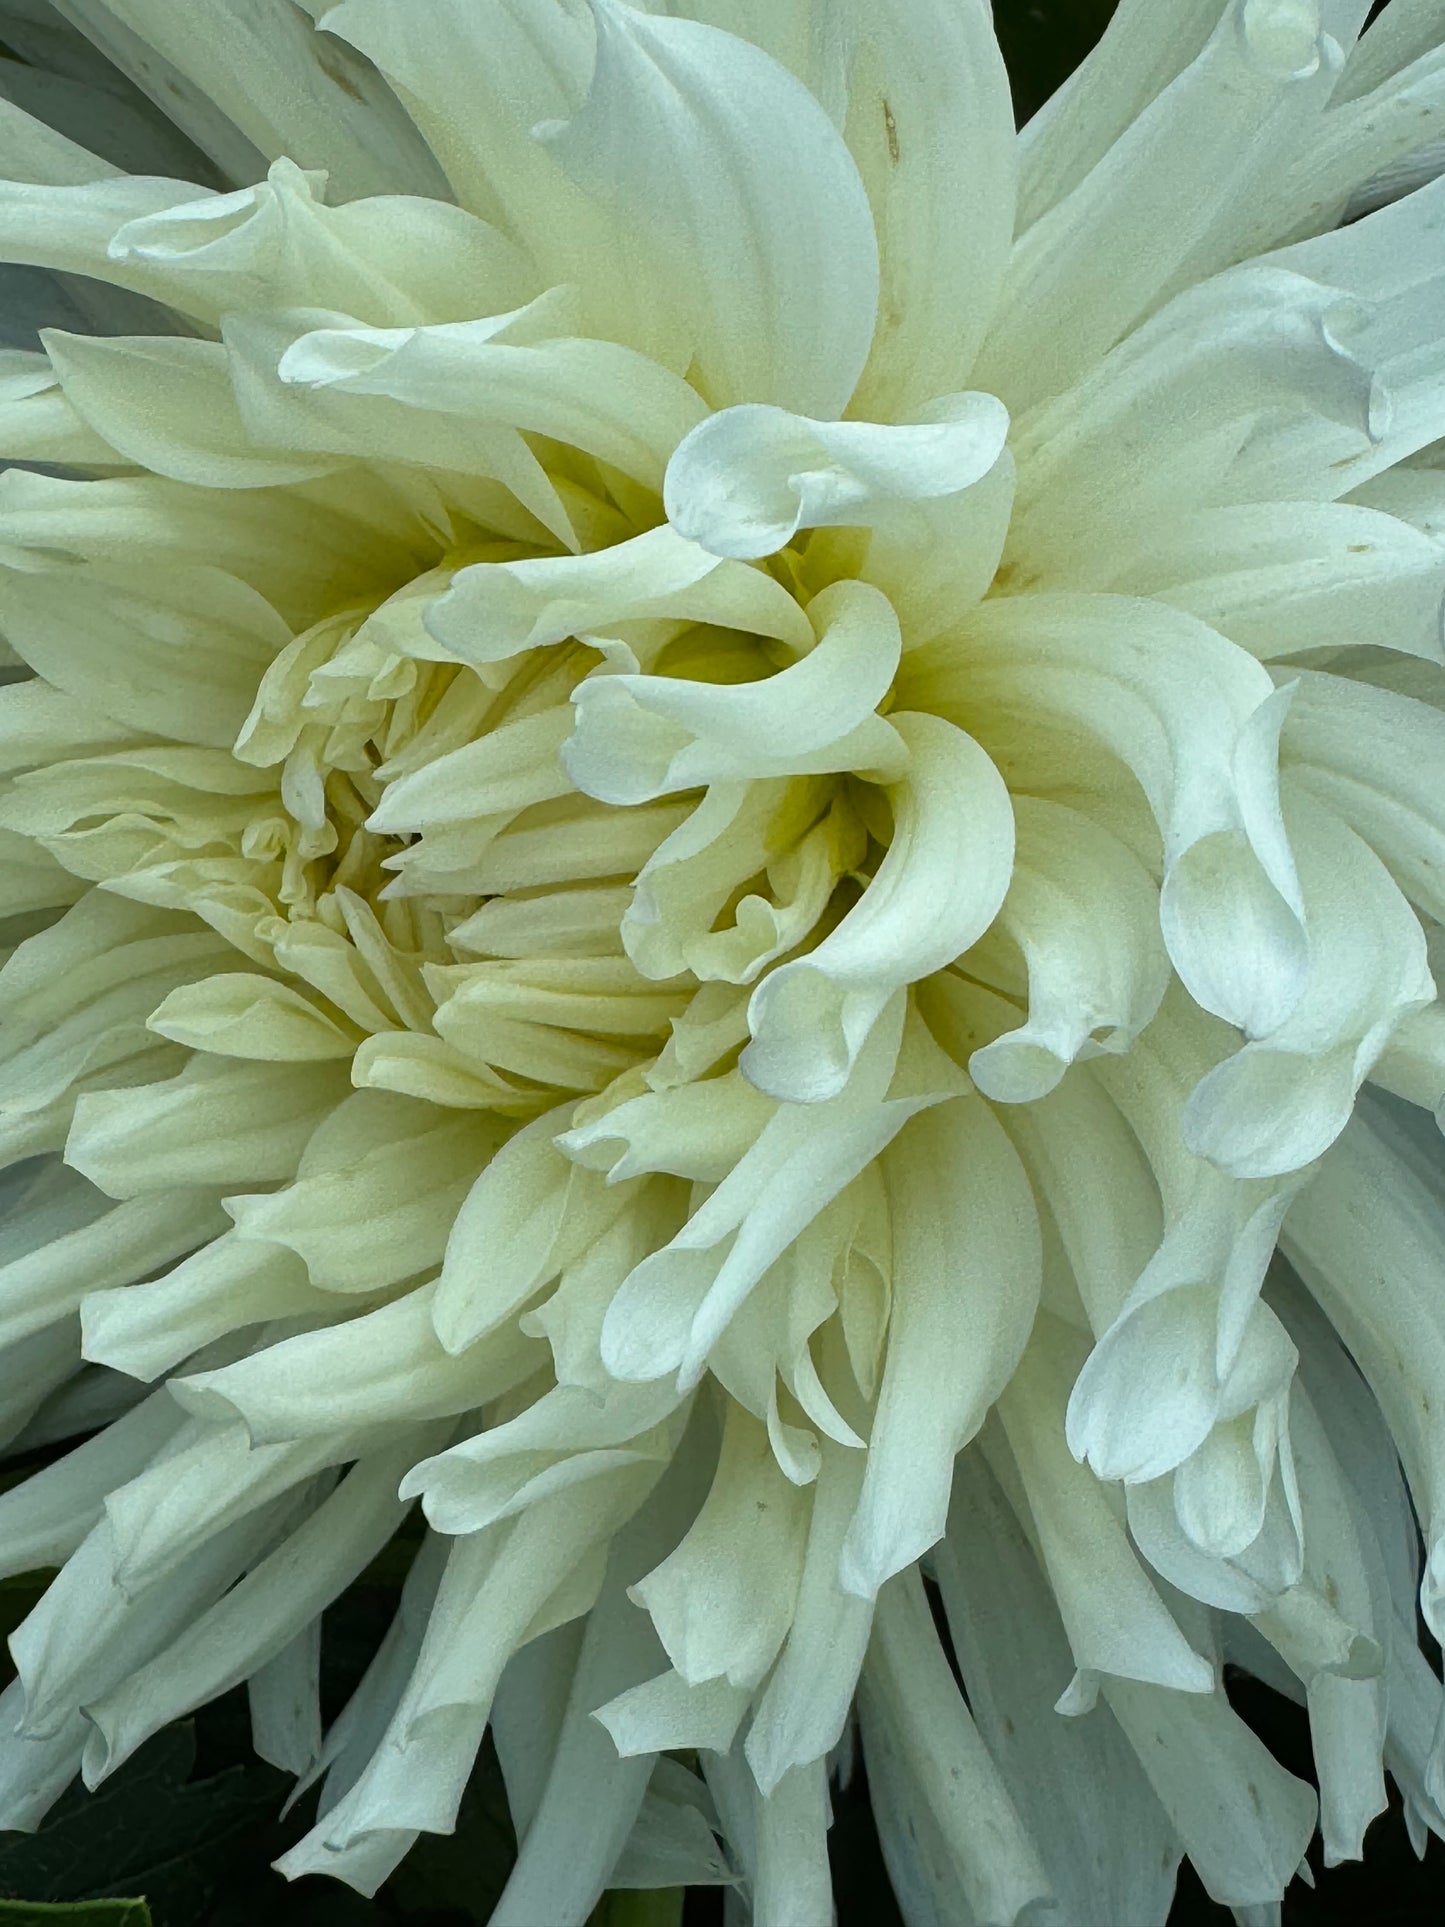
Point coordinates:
[(147, 1830), (80, 1913), (639, 1907)]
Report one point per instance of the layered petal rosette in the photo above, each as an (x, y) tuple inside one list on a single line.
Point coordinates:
[(724, 866)]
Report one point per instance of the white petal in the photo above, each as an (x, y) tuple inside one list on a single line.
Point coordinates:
[(1195, 720), (1389, 267), (220, 1122), (1134, 228), (322, 420), (288, 547), (677, 1303), (46, 1516), (504, 1238), (33, 151), (168, 405), (37, 422), (498, 609), (477, 84), (1084, 913), (639, 737), (1117, 1624), (935, 559), (34, 1772), (352, 1736), (966, 1268), (54, 1257), (708, 157), (1363, 1238), (678, 917), (76, 996), (177, 657), (284, 1699), (717, 1615), (1282, 1100), (949, 1766), (507, 769), (119, 1630), (225, 1286), (567, 1435), (667, 1712), (745, 481), (1357, 1436), (374, 1195), (1347, 1712), (1366, 754), (385, 1364), (674, 1841), (261, 64), (809, 1017), (282, 1594), (596, 395), (391, 258), (1143, 48), (922, 1869), (1392, 42), (1153, 1387), (69, 228), (1288, 577), (1246, 1838), (590, 1800), (803, 1707), (212, 1478), (571, 1318), (31, 1370), (791, 1877), (1075, 1782), (181, 100), (527, 1715), (1360, 138), (67, 81), (1252, 386), (499, 1589), (241, 1014), (930, 124), (1087, 1167)]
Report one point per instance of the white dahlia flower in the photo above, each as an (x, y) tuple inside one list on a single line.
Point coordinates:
[(724, 796)]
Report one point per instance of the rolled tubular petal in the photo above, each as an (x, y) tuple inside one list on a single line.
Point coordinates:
[(745, 481), (1201, 743), (815, 716), (1092, 985), (809, 1017), (608, 399)]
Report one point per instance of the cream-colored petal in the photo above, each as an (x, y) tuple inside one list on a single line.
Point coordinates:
[(746, 480), (811, 1016), (639, 737), (1082, 914), (261, 65), (724, 183), (965, 1288), (1135, 229)]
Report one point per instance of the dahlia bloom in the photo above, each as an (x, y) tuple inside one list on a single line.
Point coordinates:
[(722, 847)]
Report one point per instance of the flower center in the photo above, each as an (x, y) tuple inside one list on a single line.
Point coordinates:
[(447, 851)]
